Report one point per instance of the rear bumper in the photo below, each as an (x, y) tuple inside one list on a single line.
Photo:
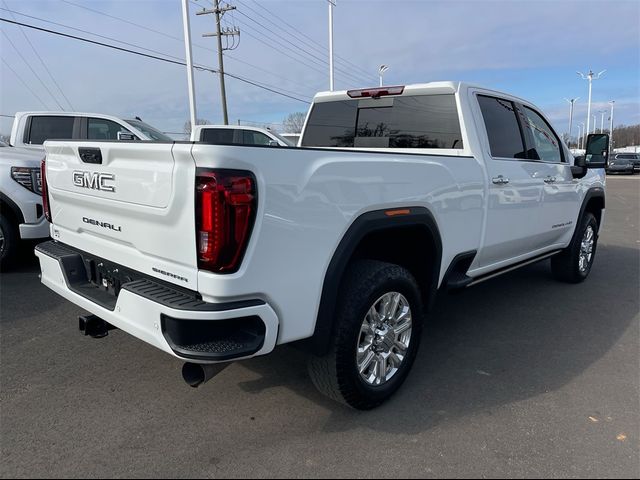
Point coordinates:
[(39, 229), (164, 316)]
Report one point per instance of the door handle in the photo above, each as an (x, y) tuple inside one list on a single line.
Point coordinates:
[(550, 179), (500, 180)]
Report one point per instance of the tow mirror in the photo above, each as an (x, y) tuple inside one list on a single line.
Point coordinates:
[(597, 150)]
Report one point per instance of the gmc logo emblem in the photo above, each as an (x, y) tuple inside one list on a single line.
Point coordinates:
[(94, 180)]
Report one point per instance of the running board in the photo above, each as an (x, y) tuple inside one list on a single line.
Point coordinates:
[(510, 268)]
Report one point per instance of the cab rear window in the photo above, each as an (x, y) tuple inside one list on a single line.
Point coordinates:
[(419, 121)]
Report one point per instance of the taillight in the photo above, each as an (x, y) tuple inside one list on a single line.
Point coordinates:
[(45, 190), (28, 177), (376, 92), (225, 213)]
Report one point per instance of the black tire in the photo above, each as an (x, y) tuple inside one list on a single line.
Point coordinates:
[(566, 265), (336, 374), (8, 243)]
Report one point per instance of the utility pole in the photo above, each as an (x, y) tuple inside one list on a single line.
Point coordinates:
[(222, 32), (572, 101), (187, 47), (332, 4), (591, 77)]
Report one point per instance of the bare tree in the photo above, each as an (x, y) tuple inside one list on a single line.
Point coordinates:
[(199, 121), (294, 122)]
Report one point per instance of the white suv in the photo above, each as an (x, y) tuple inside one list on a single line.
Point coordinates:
[(21, 209)]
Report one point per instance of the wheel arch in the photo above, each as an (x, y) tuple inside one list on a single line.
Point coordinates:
[(593, 202), (9, 208), (413, 224)]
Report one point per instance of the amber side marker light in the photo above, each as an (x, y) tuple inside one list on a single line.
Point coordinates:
[(393, 213)]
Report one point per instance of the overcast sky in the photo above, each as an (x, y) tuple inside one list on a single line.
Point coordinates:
[(529, 48)]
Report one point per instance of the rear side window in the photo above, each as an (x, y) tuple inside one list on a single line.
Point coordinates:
[(101, 129), (419, 121), (218, 136), (503, 130), (544, 144), (54, 128)]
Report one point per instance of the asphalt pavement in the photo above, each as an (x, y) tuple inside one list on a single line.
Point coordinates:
[(520, 376)]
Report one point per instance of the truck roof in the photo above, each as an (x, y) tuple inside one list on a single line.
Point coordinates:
[(433, 88)]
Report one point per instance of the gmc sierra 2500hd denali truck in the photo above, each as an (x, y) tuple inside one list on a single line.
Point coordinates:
[(218, 253)]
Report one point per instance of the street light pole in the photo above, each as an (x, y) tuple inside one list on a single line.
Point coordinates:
[(381, 70), (572, 101), (602, 112), (582, 132), (187, 47), (611, 102), (591, 77), (594, 123), (331, 5)]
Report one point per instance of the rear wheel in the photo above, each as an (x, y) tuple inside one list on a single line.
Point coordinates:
[(376, 338), (8, 242), (574, 263)]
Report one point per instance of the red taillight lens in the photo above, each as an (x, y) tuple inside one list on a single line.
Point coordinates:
[(45, 190), (225, 212)]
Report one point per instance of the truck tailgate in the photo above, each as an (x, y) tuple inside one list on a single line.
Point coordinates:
[(130, 203)]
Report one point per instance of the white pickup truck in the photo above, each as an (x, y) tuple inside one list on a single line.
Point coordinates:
[(31, 129), (238, 135), (217, 253)]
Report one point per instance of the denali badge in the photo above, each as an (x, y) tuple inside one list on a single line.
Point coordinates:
[(98, 223), (94, 180)]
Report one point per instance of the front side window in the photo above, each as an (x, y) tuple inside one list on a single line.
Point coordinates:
[(418, 121), (252, 137), (50, 128), (544, 144), (505, 139), (102, 129)]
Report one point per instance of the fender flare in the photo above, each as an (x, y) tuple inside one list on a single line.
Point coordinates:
[(6, 202), (593, 192), (364, 225)]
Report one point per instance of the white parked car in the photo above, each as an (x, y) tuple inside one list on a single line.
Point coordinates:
[(238, 135), (21, 209), (216, 253)]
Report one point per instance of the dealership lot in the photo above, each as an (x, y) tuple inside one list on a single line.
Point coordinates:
[(519, 376)]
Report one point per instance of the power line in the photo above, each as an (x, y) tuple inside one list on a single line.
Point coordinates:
[(304, 61), (158, 32), (313, 43), (318, 60), (156, 51), (40, 58), (311, 66), (93, 34), (155, 57), (25, 84), (35, 74)]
